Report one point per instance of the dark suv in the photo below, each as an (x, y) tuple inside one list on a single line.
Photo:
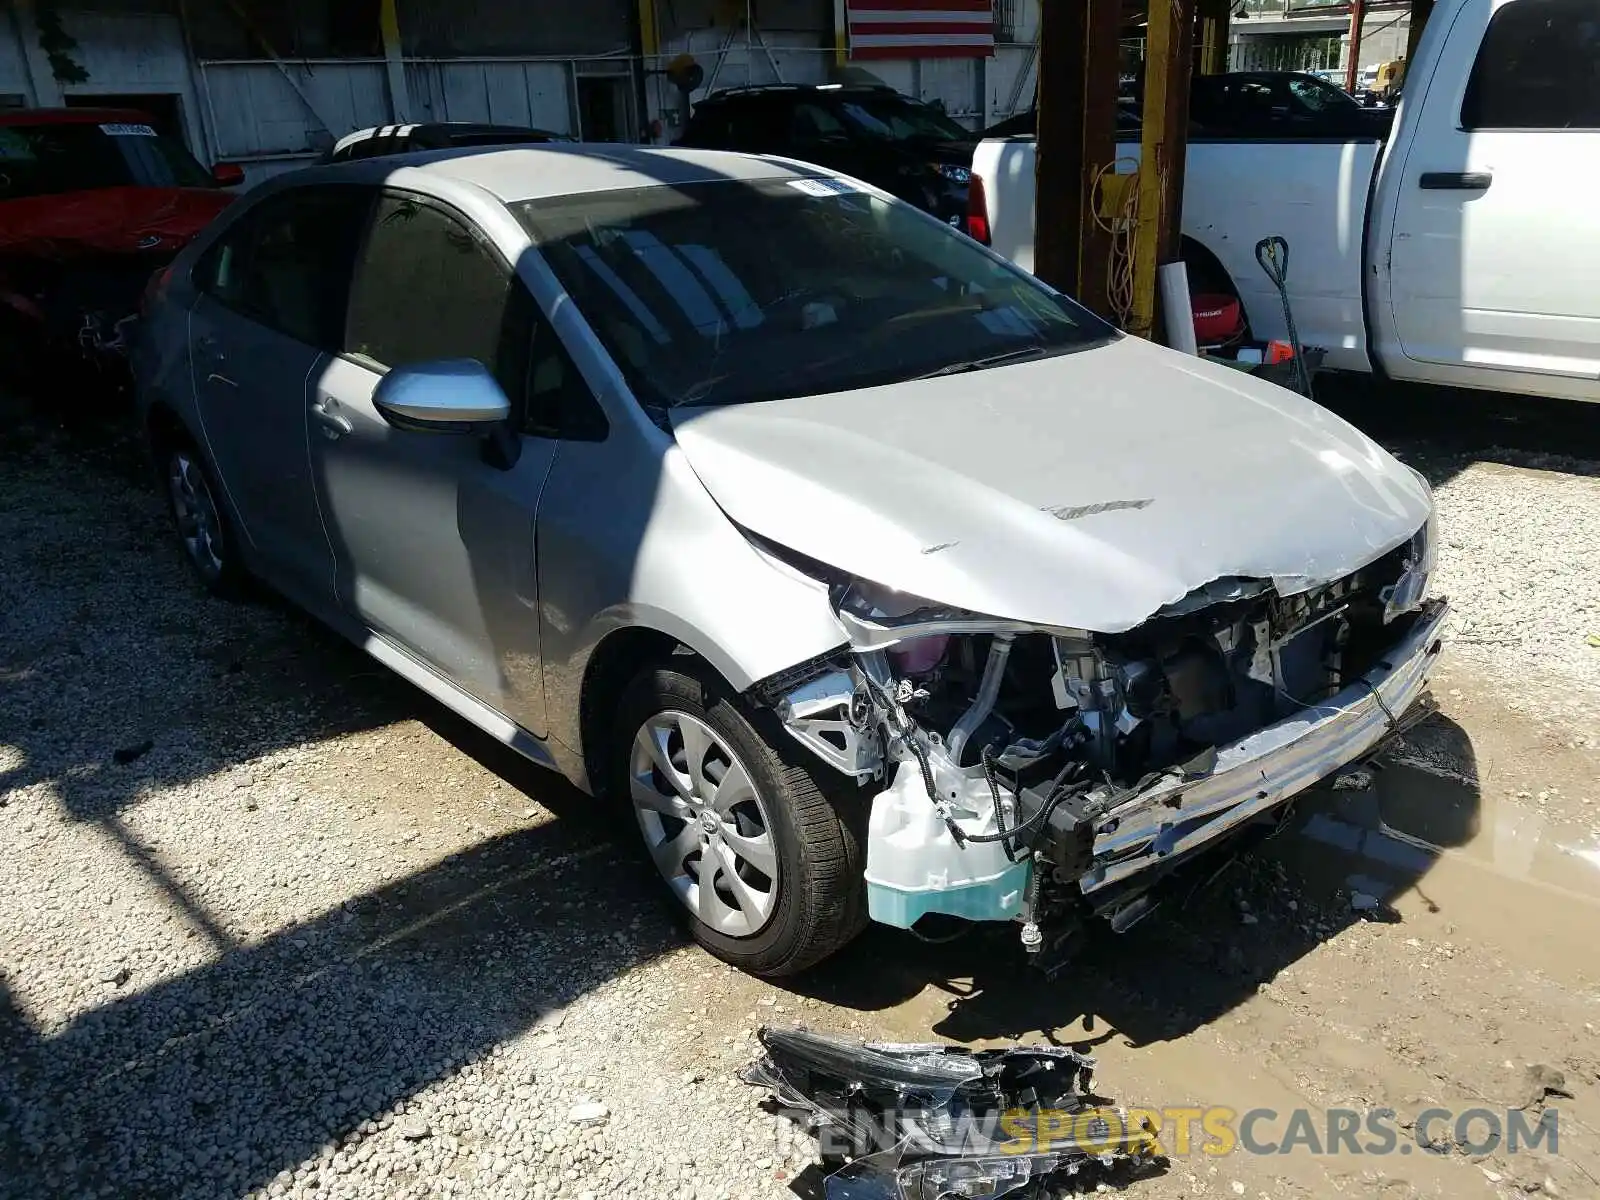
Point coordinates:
[(904, 146)]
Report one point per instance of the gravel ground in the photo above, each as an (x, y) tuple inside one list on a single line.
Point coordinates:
[(1520, 560), (272, 923)]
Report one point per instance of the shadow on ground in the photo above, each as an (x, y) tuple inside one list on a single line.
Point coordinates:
[(212, 1081), (1442, 431)]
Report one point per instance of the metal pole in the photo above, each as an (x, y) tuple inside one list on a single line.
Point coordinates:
[(1358, 14), (394, 60)]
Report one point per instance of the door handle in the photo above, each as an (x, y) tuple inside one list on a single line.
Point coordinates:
[(334, 425), (1456, 181)]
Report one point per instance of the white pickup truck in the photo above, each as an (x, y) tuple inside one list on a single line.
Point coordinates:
[(1464, 249)]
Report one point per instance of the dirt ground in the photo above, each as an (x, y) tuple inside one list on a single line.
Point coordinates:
[(303, 825)]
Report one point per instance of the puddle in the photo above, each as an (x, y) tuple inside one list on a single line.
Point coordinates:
[(1420, 843)]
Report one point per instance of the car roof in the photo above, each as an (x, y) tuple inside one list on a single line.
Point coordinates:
[(516, 173), (71, 116)]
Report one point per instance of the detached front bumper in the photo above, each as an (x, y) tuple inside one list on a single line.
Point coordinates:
[(1178, 814)]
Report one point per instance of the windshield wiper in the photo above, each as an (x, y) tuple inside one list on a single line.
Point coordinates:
[(993, 360)]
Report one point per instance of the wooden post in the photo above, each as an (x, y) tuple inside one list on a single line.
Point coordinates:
[(1214, 18), (1169, 55), (1352, 70), (1102, 70), (1059, 215), (1075, 138)]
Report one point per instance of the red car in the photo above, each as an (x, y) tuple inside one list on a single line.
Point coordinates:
[(92, 203)]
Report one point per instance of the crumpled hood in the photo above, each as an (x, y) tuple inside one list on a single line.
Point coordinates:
[(1086, 490)]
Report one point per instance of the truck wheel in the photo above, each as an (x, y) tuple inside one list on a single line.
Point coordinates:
[(748, 837)]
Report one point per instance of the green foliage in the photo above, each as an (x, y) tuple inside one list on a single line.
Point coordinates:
[(58, 45)]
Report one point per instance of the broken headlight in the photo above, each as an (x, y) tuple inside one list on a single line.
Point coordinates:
[(1407, 593), (876, 617), (880, 1177)]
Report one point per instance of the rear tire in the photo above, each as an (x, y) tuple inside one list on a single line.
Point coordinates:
[(702, 783), (205, 533)]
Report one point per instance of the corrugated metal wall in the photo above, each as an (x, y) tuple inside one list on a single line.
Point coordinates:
[(510, 93), (301, 29), (272, 91), (496, 29)]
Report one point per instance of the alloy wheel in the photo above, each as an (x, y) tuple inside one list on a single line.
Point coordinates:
[(704, 823), (199, 524)]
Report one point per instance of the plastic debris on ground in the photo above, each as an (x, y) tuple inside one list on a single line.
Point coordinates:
[(927, 1122)]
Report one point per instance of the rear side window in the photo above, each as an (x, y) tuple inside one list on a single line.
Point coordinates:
[(286, 263), (426, 287), (1538, 68)]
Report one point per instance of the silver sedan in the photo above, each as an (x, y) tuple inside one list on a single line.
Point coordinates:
[(868, 576)]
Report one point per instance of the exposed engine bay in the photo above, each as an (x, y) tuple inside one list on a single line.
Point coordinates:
[(1045, 775)]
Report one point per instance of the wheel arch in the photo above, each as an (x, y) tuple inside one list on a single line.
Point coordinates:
[(1206, 272), (613, 663)]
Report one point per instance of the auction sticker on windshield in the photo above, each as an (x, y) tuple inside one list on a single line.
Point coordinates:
[(823, 187)]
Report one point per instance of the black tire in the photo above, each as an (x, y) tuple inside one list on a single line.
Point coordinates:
[(212, 554), (816, 833)]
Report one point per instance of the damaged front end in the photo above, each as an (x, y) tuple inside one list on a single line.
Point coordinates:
[(1044, 775), (925, 1122)]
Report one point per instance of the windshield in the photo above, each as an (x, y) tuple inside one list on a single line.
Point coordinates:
[(734, 291), (897, 119), (43, 160)]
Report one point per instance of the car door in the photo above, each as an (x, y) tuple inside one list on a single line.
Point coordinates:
[(433, 545), (269, 308), (1494, 253)]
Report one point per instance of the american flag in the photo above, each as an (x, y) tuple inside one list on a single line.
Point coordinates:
[(920, 28)]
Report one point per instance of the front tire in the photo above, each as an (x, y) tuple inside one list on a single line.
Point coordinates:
[(784, 888)]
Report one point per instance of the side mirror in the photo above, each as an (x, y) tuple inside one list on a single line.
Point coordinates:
[(456, 395), (226, 174)]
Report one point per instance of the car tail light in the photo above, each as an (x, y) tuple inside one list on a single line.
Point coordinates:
[(154, 290), (977, 211)]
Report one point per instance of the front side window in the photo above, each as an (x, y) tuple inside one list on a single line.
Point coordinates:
[(426, 287), (1538, 68), (286, 263), (894, 118), (735, 291), (813, 123)]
